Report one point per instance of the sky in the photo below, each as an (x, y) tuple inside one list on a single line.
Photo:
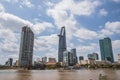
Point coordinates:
[(86, 22)]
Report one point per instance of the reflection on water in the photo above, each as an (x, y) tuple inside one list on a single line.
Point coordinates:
[(56, 75), (23, 75)]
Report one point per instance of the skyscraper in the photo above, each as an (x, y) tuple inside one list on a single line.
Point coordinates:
[(81, 58), (26, 47), (9, 62), (62, 44), (73, 51), (106, 49), (67, 58), (44, 59), (96, 56), (93, 56)]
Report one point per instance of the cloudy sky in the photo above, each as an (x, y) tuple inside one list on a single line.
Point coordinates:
[(86, 22)]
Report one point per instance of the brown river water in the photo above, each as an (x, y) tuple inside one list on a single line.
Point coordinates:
[(56, 75)]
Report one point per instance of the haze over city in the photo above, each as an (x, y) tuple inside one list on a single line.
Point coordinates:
[(86, 22)]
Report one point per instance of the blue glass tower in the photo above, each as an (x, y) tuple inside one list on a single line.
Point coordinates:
[(62, 44), (106, 49), (73, 51)]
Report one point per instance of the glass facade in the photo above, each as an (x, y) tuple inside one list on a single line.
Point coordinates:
[(106, 49), (73, 51), (26, 47), (62, 44), (68, 58)]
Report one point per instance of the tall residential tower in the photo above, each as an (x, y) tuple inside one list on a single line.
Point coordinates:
[(62, 44), (106, 49), (26, 47)]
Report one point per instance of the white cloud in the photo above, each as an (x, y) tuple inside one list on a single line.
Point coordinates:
[(7, 32), (63, 14), (12, 1), (2, 9), (10, 21), (49, 4), (85, 7), (117, 1), (110, 29), (9, 47), (40, 27), (83, 33), (104, 33), (116, 44), (113, 26), (27, 3), (103, 12)]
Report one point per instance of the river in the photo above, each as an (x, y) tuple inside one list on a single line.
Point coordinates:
[(56, 75)]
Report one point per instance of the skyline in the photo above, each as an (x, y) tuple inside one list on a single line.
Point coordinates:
[(86, 22)]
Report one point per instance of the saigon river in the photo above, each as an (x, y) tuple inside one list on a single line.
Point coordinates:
[(56, 75)]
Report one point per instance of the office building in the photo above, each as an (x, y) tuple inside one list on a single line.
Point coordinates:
[(81, 58), (44, 59), (93, 56), (118, 58), (52, 60), (67, 58), (62, 44), (106, 49), (9, 62), (26, 47), (73, 51), (96, 56)]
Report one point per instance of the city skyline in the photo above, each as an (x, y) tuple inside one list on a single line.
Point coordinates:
[(86, 22)]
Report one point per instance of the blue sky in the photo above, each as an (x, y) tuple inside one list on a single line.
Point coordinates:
[(86, 22)]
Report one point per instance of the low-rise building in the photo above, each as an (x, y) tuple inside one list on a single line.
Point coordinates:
[(118, 58), (52, 60)]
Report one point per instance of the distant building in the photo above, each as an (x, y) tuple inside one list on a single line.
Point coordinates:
[(44, 59), (67, 58), (9, 62), (62, 44), (75, 61), (81, 58), (118, 58), (39, 65), (93, 56), (83, 62), (96, 56), (26, 47), (16, 63), (106, 49), (52, 60), (51, 63)]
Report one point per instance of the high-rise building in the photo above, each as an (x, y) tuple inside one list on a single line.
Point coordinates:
[(62, 44), (44, 59), (81, 58), (9, 62), (93, 56), (67, 58), (26, 47), (106, 49), (73, 51), (96, 56), (52, 60)]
